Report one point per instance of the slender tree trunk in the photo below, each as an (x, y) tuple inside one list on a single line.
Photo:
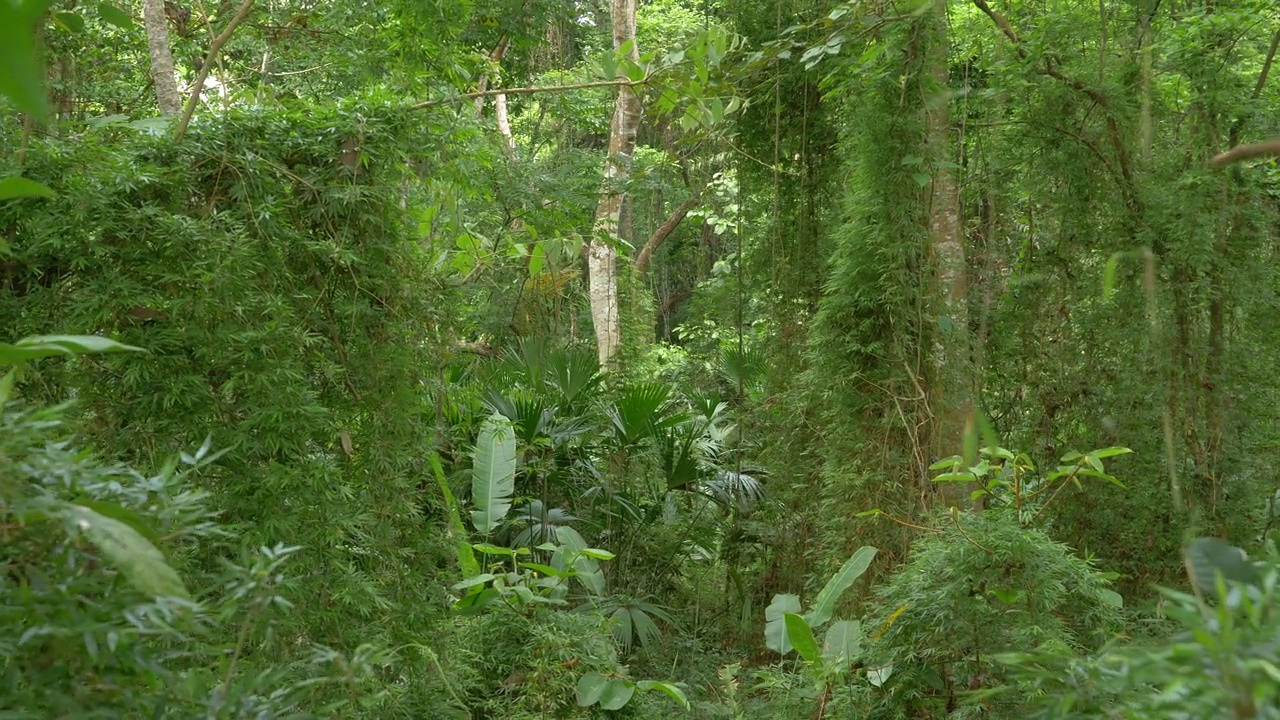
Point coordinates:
[(162, 72), (504, 122), (602, 255), (952, 364), (1144, 51)]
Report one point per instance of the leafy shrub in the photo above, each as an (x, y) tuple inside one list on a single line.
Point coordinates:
[(528, 666), (290, 310), (1221, 662), (979, 586), (94, 622)]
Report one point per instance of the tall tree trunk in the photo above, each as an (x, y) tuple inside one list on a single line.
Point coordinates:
[(602, 255), (162, 71), (951, 351)]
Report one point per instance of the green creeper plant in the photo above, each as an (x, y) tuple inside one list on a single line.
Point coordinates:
[(97, 621), (977, 586)]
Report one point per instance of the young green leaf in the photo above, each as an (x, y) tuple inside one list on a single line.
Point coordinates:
[(842, 644), (123, 514), (472, 604), (879, 676), (474, 581), (115, 16), (69, 21), (544, 569), (1207, 556), (947, 463), (617, 693), (22, 79), (665, 687), (491, 549), (829, 596), (801, 636), (73, 345), (591, 688)]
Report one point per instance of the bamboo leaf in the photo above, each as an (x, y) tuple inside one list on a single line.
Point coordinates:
[(455, 530)]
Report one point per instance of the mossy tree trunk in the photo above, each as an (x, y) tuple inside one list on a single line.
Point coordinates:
[(602, 254)]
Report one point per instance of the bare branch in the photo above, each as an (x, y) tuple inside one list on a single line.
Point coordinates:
[(1245, 152), (660, 235), (483, 349), (621, 82), (1233, 137), (198, 86)]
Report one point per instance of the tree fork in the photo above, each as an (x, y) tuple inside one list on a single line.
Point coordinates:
[(197, 87), (660, 235)]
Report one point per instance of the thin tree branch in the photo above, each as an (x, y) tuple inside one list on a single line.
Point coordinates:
[(620, 82), (1245, 152), (1266, 66), (1004, 26), (198, 86), (664, 230)]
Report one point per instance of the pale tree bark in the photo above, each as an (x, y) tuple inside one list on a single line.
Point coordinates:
[(601, 249), (1144, 81), (500, 99), (482, 86), (504, 122), (952, 364), (162, 72)]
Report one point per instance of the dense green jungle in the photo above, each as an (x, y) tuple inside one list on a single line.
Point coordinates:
[(501, 359)]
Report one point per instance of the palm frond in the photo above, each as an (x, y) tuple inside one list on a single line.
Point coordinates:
[(574, 373), (538, 523), (643, 410), (734, 489)]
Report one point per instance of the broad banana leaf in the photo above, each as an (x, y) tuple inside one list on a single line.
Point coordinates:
[(493, 473)]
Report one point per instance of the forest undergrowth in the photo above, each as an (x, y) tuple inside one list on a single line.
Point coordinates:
[(494, 359)]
